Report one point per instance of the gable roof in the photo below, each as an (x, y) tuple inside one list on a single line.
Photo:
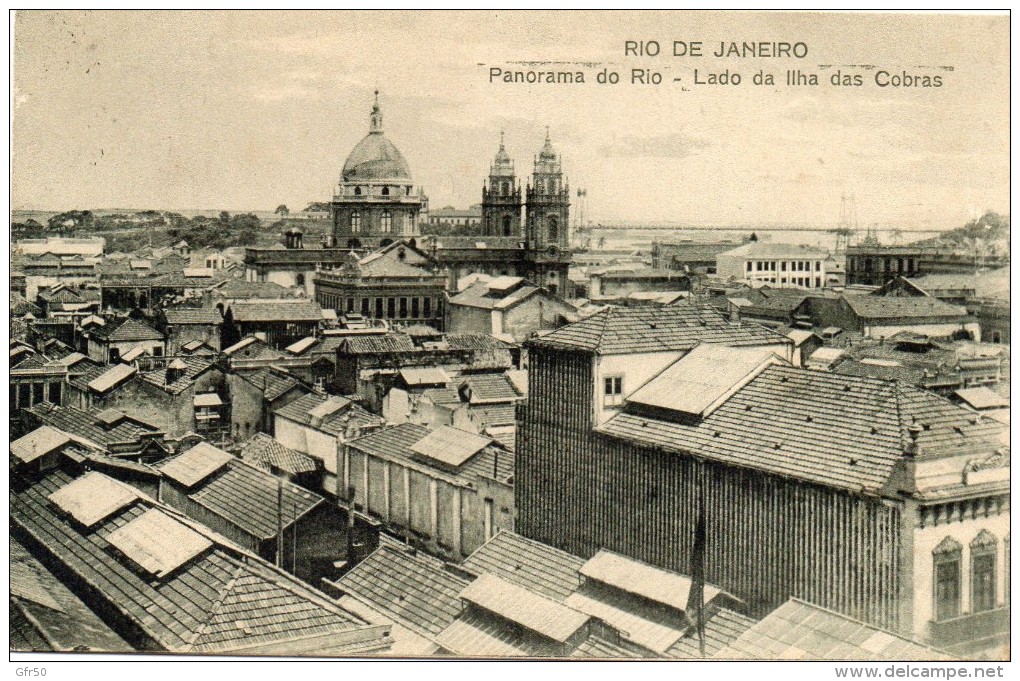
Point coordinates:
[(85, 426), (498, 294), (893, 307), (128, 330), (265, 452), (275, 311), (838, 431), (411, 590), (335, 422), (617, 331), (221, 600), (798, 630), (193, 316)]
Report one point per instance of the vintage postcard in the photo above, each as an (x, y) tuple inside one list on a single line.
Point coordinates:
[(511, 335)]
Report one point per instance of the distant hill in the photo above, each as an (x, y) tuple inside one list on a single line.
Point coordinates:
[(987, 235)]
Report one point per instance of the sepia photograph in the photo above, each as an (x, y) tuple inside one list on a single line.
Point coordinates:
[(509, 336)]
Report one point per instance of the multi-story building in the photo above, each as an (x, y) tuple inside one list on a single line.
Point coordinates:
[(778, 265), (395, 283), (851, 493)]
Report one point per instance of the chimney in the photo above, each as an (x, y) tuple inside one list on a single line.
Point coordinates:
[(913, 450), (175, 370), (734, 314)]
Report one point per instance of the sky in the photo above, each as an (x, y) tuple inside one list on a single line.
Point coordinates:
[(245, 111)]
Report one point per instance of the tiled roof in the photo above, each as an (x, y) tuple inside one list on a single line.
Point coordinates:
[(241, 289), (478, 635), (247, 498), (474, 341), (494, 414), (273, 382), (896, 307), (617, 331), (479, 295), (275, 311), (128, 330), (885, 372), (335, 423), (216, 602), (381, 344), (722, 627), (802, 631), (763, 249), (490, 388), (193, 315), (60, 620), (442, 395), (84, 425), (415, 593), (838, 431), (195, 366), (533, 564), (383, 265), (396, 442), (267, 453)]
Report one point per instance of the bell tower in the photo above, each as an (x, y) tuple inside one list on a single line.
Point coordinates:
[(501, 197), (548, 202), (547, 231)]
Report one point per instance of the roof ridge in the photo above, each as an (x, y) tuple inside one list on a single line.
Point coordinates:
[(214, 608)]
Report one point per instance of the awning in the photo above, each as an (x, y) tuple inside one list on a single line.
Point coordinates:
[(208, 400)]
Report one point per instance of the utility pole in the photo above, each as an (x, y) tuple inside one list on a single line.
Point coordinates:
[(279, 521)]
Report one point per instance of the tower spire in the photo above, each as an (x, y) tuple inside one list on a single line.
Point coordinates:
[(376, 118)]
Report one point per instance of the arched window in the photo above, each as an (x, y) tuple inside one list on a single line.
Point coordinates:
[(982, 571), (554, 228), (407, 190), (357, 191), (507, 225), (299, 279), (385, 191), (946, 558), (505, 188), (355, 222), (408, 223), (539, 187), (387, 221)]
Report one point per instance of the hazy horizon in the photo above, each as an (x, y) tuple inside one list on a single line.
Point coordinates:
[(246, 111)]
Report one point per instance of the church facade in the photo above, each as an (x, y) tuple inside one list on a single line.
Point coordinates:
[(524, 232)]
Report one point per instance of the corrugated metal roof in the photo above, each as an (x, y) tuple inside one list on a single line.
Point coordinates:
[(418, 376), (641, 579), (157, 542), (701, 378), (982, 398), (450, 446), (525, 607), (39, 442), (476, 635), (196, 464), (801, 631), (207, 400), (112, 378), (93, 497)]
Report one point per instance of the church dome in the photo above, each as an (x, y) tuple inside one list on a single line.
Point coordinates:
[(375, 157)]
